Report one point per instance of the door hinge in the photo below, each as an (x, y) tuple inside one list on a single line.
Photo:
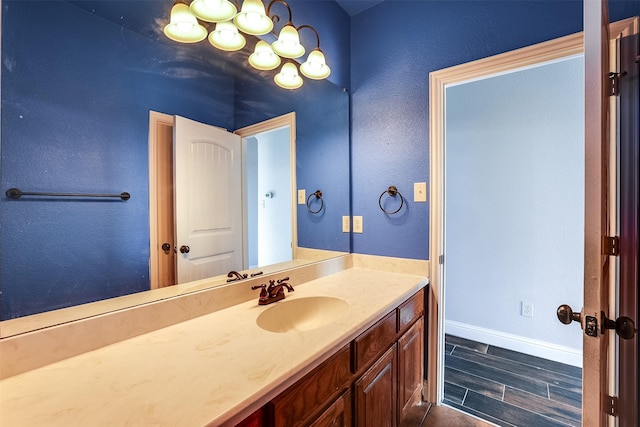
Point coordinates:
[(612, 245), (611, 405), (614, 84), (441, 259)]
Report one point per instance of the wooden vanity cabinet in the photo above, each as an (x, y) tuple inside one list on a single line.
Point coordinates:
[(392, 384), (373, 381)]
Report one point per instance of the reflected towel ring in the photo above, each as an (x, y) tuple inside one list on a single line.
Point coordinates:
[(391, 191), (318, 195)]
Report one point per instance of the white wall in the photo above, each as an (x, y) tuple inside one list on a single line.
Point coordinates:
[(274, 213), (514, 208)]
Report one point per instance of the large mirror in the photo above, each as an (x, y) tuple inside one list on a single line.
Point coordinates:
[(79, 79)]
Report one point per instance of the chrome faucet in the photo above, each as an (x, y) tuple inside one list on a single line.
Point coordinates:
[(274, 292), (235, 276)]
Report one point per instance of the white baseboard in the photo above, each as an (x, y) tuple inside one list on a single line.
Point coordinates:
[(558, 353)]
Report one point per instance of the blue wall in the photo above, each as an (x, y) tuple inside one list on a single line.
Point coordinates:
[(395, 45), (73, 125), (82, 126)]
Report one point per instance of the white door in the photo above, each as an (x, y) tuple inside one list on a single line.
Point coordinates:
[(208, 200)]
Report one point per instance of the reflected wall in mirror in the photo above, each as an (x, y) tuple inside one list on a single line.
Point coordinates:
[(78, 82)]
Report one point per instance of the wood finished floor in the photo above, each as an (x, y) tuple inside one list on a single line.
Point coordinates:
[(508, 388)]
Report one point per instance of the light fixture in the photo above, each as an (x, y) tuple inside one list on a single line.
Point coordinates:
[(213, 10), (253, 19), (190, 24), (315, 67), (288, 77), (263, 57), (226, 37), (183, 26), (288, 43)]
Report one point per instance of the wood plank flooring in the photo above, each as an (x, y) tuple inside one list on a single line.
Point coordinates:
[(510, 389)]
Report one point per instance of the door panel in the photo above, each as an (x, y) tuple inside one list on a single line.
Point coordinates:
[(628, 226), (208, 200)]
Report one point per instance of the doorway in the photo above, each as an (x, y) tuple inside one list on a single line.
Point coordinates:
[(544, 52), (268, 191), (513, 242), (161, 193)]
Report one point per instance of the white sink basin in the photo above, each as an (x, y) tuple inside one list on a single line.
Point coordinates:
[(302, 314)]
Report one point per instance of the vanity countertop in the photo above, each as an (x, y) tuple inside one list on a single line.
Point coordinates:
[(212, 370)]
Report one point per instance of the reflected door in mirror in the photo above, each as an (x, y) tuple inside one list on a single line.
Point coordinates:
[(208, 200)]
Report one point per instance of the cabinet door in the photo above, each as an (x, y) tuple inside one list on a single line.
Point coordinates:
[(375, 391), (410, 365), (336, 415), (254, 420)]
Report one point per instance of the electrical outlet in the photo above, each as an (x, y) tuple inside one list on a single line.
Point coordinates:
[(527, 309), (346, 224), (357, 224), (302, 197)]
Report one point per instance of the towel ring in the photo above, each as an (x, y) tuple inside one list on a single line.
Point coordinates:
[(391, 191), (318, 195)]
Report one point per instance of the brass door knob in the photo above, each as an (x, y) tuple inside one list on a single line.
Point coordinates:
[(566, 315), (623, 325), (184, 249)]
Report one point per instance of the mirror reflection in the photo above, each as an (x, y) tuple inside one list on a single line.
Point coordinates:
[(79, 80)]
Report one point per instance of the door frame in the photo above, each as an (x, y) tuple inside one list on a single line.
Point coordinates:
[(157, 221), (279, 122), (438, 80)]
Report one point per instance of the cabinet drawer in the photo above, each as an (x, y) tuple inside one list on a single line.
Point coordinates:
[(410, 311), (313, 391), (374, 341)]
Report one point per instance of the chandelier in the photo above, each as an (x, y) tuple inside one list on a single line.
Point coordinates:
[(191, 24)]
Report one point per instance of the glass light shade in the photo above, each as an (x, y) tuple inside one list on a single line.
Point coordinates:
[(288, 43), (263, 57), (316, 66), (183, 26), (253, 19), (288, 77), (213, 10), (226, 37)]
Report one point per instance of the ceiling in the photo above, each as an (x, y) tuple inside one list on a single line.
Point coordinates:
[(354, 7)]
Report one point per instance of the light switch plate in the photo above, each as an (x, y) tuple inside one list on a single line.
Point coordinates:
[(346, 224), (357, 224), (420, 192), (302, 197)]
